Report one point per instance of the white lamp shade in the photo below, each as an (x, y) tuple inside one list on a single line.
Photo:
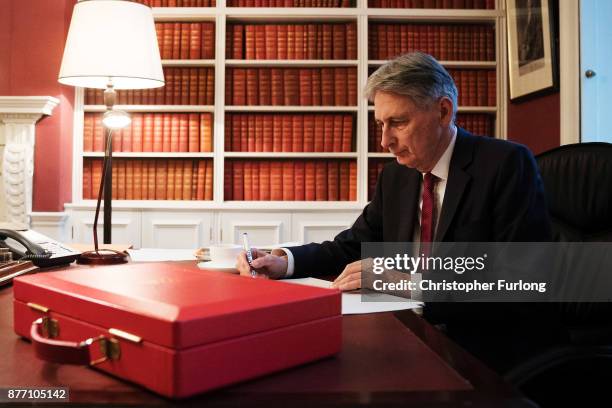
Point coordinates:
[(112, 39)]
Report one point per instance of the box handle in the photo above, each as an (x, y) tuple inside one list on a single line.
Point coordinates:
[(70, 352)]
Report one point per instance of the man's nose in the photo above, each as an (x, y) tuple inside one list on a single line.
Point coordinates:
[(387, 137)]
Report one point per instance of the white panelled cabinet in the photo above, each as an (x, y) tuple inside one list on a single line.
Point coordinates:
[(318, 227), (193, 228), (188, 229), (126, 226), (264, 228)]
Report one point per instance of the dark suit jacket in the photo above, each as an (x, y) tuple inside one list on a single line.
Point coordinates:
[(493, 194)]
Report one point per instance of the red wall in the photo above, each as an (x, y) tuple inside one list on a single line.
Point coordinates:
[(32, 37), (535, 122), (5, 50)]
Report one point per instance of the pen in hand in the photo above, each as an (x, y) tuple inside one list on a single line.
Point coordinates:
[(249, 254)]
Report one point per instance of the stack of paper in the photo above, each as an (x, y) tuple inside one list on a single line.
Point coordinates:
[(367, 302)]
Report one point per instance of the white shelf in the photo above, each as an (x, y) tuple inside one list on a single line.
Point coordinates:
[(188, 63), (292, 205), (153, 108), (290, 63), (162, 14), (281, 14), (380, 155), (464, 109), (175, 155), (225, 205), (293, 155), (291, 108), (434, 15), (450, 64)]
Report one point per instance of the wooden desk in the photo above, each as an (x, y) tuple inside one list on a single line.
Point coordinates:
[(387, 359)]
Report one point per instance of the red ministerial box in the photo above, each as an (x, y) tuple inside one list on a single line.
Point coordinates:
[(175, 329)]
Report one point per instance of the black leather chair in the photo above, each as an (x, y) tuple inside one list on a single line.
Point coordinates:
[(578, 183)]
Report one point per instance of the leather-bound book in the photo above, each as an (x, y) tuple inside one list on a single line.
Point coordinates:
[(183, 132), (87, 180), (352, 180), (299, 171), (321, 180), (288, 181), (264, 180), (309, 180), (193, 138), (333, 177), (206, 132), (161, 177), (170, 180), (276, 180)]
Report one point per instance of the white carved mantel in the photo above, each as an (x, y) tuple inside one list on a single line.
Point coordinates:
[(18, 117)]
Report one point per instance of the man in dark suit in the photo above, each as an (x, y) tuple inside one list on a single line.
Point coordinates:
[(445, 185)]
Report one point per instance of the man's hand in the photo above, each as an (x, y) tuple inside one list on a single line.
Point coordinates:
[(266, 265), (350, 278)]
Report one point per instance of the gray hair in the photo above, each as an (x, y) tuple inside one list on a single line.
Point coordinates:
[(416, 75)]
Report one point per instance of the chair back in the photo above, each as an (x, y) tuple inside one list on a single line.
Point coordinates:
[(578, 183)]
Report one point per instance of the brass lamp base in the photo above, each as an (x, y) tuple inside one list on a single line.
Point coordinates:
[(102, 257)]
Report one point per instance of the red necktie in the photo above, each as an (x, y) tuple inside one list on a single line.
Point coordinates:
[(428, 212)]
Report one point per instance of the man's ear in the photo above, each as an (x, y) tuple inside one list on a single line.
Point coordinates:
[(446, 111)]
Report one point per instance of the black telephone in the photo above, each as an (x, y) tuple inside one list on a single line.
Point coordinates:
[(35, 247)]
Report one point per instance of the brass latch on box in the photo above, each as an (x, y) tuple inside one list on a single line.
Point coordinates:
[(49, 327), (110, 347)]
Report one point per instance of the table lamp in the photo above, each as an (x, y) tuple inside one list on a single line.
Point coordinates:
[(111, 45)]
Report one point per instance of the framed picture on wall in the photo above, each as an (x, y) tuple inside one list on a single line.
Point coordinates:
[(531, 47)]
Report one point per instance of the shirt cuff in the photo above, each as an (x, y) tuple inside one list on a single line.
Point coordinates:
[(290, 261)]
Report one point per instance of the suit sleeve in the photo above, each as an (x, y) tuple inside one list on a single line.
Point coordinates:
[(520, 213), (330, 257)]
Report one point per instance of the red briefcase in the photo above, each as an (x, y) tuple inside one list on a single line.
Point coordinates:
[(174, 329)]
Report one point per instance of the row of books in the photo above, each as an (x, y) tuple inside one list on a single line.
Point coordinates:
[(475, 87), (476, 123), (286, 180), (375, 166), (153, 132), (291, 86), (291, 3), (446, 4), (178, 3), (186, 40), (184, 86), (337, 41), (146, 179), (446, 42), (289, 132)]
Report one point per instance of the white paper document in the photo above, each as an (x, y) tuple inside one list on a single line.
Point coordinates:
[(358, 303), (160, 255)]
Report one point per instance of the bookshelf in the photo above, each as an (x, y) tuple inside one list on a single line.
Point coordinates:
[(469, 28)]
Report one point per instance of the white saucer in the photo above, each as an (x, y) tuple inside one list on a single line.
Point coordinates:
[(229, 267)]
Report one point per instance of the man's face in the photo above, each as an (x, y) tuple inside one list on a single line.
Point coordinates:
[(412, 134)]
